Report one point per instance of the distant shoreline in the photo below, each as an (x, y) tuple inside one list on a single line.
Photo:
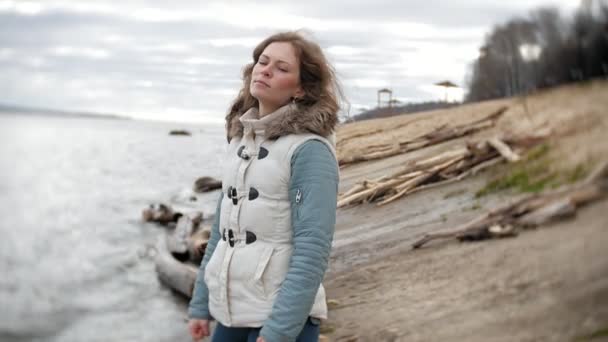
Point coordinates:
[(13, 109)]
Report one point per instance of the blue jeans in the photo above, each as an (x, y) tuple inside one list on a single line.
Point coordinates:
[(310, 333)]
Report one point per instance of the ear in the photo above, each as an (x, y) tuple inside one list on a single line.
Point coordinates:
[(299, 93)]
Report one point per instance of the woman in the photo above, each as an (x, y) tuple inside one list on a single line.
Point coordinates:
[(270, 243)]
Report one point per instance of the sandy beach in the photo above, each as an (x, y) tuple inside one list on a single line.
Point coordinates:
[(546, 284)]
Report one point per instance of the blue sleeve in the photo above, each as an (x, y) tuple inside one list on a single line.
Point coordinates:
[(314, 175), (199, 304)]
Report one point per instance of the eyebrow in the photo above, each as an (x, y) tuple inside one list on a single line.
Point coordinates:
[(278, 61)]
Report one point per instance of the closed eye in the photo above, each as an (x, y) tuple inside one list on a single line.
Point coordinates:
[(280, 68)]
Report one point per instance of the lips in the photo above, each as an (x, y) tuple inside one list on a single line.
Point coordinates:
[(262, 83)]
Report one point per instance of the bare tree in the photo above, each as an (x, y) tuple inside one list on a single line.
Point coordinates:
[(541, 51)]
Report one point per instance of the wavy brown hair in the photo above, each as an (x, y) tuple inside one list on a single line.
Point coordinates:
[(317, 77)]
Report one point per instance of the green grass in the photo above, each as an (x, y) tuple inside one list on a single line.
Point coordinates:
[(534, 173), (576, 174), (600, 333)]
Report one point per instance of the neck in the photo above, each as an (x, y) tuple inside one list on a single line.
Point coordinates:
[(265, 109)]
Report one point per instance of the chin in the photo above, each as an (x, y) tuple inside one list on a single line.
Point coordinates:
[(255, 93), (260, 97)]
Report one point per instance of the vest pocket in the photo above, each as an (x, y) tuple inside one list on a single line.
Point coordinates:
[(258, 281)]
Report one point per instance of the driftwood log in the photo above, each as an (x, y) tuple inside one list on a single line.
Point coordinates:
[(439, 135), (530, 211), (173, 273), (342, 141), (204, 184), (197, 244), (441, 169), (160, 213), (177, 242), (180, 253)]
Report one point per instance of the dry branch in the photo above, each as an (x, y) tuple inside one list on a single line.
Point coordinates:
[(530, 211), (447, 167), (504, 149)]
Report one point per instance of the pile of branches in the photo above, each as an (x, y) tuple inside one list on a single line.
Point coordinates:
[(439, 135), (530, 211), (444, 168)]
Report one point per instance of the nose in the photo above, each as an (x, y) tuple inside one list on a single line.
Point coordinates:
[(266, 71)]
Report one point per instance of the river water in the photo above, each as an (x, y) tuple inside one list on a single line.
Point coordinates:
[(75, 258)]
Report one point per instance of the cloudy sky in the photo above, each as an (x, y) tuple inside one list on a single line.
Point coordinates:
[(182, 60)]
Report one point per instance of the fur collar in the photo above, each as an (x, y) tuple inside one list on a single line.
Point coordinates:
[(289, 119)]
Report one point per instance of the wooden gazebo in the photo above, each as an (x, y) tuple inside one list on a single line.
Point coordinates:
[(390, 96)]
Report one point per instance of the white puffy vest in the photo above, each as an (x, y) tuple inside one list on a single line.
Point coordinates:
[(244, 279)]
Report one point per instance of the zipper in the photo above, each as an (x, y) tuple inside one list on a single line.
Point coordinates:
[(298, 196)]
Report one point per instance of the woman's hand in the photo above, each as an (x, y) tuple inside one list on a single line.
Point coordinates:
[(260, 339), (199, 328)]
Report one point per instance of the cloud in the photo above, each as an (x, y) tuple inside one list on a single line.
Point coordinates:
[(154, 59), (85, 52)]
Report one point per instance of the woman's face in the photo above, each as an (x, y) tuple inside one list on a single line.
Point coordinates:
[(276, 76)]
